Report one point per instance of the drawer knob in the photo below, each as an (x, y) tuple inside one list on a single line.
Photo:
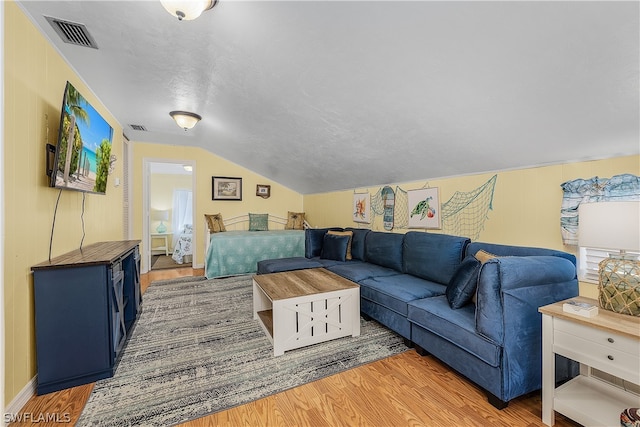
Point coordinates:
[(610, 357), (611, 340)]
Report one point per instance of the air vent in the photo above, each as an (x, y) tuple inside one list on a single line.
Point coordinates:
[(72, 32), (138, 127)]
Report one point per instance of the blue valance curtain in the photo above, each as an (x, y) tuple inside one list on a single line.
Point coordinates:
[(617, 188)]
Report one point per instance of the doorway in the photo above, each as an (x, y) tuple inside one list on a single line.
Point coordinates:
[(169, 214)]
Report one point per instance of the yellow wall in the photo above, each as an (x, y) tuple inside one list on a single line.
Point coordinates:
[(34, 82), (526, 203), (207, 165)]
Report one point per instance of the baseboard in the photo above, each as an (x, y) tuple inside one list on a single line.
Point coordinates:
[(18, 402)]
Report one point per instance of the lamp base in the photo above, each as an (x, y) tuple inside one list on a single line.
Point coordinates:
[(161, 228), (619, 285)]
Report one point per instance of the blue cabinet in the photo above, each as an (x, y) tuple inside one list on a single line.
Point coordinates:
[(86, 305)]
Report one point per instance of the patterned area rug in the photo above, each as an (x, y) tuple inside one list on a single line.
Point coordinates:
[(197, 350)]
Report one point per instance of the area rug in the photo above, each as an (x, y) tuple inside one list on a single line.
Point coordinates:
[(163, 262), (196, 350)]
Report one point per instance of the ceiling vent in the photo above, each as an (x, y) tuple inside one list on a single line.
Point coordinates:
[(138, 127), (72, 32)]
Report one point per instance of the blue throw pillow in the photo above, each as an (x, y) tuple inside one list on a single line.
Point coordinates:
[(258, 222), (357, 242), (334, 247), (313, 238), (463, 283)]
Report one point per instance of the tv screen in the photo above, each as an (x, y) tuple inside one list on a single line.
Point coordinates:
[(83, 153)]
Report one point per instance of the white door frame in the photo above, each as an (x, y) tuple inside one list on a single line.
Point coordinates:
[(2, 358), (146, 201)]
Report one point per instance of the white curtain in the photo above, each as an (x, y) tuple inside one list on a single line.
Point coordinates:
[(182, 212)]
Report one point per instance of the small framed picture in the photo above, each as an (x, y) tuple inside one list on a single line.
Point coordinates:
[(424, 208), (226, 188), (361, 208), (263, 191)]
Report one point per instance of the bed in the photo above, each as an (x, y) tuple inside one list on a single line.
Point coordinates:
[(182, 250), (238, 250)]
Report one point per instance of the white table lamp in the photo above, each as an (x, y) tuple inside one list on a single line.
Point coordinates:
[(614, 226), (161, 216)]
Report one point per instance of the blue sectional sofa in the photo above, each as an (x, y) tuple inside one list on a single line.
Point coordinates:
[(472, 305)]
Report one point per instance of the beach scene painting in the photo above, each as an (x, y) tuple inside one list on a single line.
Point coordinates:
[(83, 153), (226, 188)]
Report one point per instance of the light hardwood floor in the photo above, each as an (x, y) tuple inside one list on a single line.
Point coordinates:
[(403, 390)]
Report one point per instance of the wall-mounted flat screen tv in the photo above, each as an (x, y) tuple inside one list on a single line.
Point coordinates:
[(83, 154)]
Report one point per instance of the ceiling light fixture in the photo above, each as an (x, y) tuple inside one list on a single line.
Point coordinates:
[(185, 119), (187, 10)]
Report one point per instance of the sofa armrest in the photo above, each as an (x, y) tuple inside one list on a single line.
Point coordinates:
[(510, 291), (540, 280)]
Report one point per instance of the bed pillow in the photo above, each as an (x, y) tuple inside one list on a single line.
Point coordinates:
[(344, 233), (215, 223), (334, 247), (464, 282), (258, 222), (295, 221)]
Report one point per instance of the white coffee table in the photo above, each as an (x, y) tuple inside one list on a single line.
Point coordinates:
[(304, 307)]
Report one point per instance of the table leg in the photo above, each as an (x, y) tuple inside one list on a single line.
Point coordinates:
[(548, 371)]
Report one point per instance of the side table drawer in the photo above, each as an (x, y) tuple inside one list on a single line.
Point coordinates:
[(602, 357), (598, 336)]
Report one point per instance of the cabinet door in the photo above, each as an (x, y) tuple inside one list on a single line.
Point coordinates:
[(118, 328), (136, 268), (132, 295), (72, 323)]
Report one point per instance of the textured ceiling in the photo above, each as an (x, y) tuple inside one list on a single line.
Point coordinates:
[(330, 95)]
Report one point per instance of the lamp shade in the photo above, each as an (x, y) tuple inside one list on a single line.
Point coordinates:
[(161, 215), (185, 119), (187, 9), (609, 225)]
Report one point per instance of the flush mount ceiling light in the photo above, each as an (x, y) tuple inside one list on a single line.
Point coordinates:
[(188, 9), (185, 119)]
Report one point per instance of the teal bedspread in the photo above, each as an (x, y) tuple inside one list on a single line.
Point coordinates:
[(238, 252)]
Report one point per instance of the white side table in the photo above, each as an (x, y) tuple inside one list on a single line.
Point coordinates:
[(165, 239), (609, 342)]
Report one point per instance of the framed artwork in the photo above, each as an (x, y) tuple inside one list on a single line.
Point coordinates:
[(424, 208), (361, 207), (263, 191), (226, 188)]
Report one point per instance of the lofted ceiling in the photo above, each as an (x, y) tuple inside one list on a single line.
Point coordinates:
[(330, 95)]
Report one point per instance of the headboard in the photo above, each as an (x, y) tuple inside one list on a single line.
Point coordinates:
[(241, 223)]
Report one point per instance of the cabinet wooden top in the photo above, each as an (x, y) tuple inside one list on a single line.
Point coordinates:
[(94, 254), (607, 320)]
